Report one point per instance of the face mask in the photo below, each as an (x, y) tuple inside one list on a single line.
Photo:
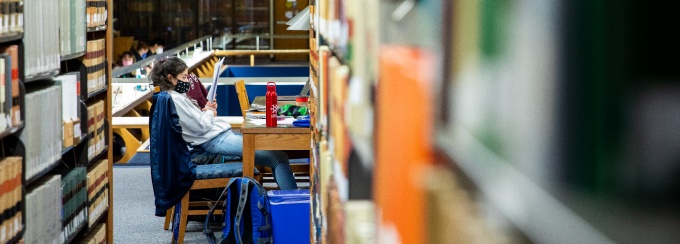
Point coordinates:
[(159, 50), (144, 55), (127, 62), (182, 86)]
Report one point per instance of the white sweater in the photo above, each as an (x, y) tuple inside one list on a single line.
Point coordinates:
[(198, 126)]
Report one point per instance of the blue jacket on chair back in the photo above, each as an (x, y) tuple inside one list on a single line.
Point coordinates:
[(172, 172)]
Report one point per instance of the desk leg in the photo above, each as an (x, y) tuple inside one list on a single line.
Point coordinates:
[(248, 155), (131, 144)]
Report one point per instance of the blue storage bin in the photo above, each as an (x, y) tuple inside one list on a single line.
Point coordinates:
[(290, 215)]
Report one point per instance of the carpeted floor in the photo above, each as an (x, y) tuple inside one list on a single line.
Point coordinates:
[(134, 220), (133, 201)]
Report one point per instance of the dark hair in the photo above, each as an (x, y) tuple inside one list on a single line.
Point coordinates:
[(119, 62), (127, 53), (164, 67), (138, 45), (158, 41)]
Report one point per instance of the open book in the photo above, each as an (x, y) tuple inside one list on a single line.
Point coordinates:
[(216, 75)]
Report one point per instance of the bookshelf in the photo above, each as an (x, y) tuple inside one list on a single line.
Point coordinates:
[(537, 122), (54, 72), (178, 22)]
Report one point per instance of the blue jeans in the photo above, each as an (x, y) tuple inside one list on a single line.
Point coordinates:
[(228, 143)]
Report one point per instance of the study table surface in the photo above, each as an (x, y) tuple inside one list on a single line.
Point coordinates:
[(260, 101), (126, 97), (260, 137)]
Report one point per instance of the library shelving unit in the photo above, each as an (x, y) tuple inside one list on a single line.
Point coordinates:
[(177, 22), (342, 155), (181, 21), (494, 122), (55, 78)]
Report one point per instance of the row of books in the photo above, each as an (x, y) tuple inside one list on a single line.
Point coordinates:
[(97, 190), (330, 20), (11, 56), (43, 211), (58, 205), (42, 135), (10, 198), (5, 92), (96, 113), (74, 193), (97, 13), (70, 108), (96, 235), (41, 39), (96, 65), (11, 17), (73, 29)]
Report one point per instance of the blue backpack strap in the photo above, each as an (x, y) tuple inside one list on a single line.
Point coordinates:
[(243, 198), (206, 226), (267, 227), (262, 206)]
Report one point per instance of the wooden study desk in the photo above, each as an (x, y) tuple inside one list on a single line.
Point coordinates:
[(260, 137), (126, 98)]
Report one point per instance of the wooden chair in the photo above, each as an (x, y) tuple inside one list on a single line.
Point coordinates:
[(211, 176), (244, 102), (242, 97)]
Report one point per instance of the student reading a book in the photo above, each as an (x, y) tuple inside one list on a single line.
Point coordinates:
[(202, 129)]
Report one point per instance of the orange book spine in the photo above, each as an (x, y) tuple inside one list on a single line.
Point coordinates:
[(405, 78)]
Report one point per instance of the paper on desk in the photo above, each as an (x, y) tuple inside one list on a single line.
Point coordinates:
[(284, 121), (216, 75)]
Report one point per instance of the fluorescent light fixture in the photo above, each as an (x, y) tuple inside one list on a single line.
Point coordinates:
[(300, 21)]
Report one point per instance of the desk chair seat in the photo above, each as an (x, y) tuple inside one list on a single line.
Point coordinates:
[(201, 157), (225, 170)]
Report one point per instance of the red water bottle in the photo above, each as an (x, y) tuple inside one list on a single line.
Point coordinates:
[(271, 103)]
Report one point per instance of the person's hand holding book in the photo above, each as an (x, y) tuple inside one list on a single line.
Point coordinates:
[(211, 106)]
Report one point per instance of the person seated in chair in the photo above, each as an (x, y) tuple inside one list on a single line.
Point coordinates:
[(203, 130)]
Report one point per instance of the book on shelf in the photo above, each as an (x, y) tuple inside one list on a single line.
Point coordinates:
[(42, 132), (95, 64), (74, 193), (10, 198), (70, 108), (99, 124), (43, 210), (11, 17), (97, 13), (91, 130), (5, 92), (95, 126), (73, 27), (13, 75), (97, 190), (41, 38)]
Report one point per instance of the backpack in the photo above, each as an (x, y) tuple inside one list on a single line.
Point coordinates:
[(246, 213)]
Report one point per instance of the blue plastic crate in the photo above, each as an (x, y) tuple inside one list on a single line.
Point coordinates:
[(290, 215)]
